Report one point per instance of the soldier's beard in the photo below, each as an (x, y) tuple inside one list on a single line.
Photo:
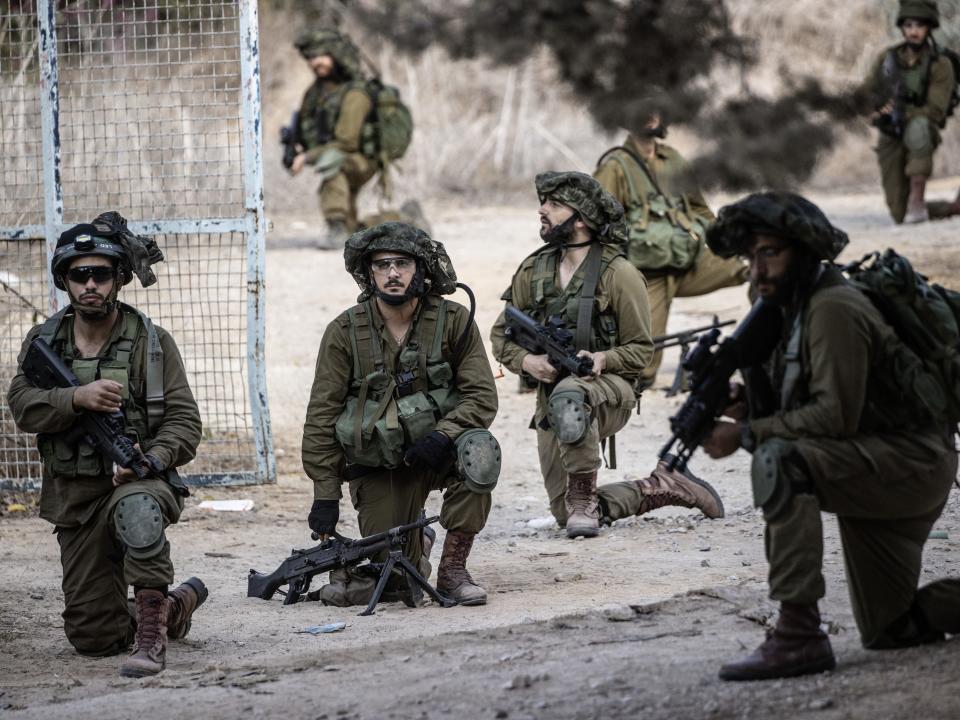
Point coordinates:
[(559, 234), (95, 313), (660, 131), (416, 288), (916, 47)]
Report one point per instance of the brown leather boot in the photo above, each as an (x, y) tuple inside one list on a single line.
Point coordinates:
[(671, 487), (583, 510), (797, 646), (149, 654), (453, 580), (183, 601)]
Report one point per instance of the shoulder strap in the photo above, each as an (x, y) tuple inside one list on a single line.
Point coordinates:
[(153, 358), (544, 271), (48, 331), (436, 350), (588, 291), (644, 167)]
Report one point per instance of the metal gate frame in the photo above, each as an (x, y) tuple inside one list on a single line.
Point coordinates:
[(252, 224)]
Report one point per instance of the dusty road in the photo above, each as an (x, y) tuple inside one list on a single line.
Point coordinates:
[(631, 624)]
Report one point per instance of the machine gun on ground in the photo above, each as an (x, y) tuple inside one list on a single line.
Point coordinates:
[(684, 339), (299, 569)]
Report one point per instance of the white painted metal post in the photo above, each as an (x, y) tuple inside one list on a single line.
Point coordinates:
[(50, 123)]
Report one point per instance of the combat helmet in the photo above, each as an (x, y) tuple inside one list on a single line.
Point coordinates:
[(313, 43), (107, 235), (781, 214), (598, 209), (435, 272), (925, 10)]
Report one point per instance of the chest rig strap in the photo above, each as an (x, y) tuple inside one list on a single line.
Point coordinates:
[(588, 292)]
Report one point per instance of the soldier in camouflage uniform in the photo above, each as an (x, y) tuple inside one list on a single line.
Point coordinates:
[(912, 83), (837, 436), (581, 276), (666, 219), (110, 525), (332, 124), (402, 394)]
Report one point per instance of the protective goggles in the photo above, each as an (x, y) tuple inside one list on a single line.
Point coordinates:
[(99, 273)]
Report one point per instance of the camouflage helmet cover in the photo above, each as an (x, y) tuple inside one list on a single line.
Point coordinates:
[(599, 210), (314, 43), (781, 214), (925, 10), (403, 238)]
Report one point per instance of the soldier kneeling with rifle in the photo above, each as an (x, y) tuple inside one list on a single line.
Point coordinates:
[(587, 357), (106, 390)]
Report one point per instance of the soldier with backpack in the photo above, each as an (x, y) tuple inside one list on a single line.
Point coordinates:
[(848, 417), (913, 88), (348, 127), (667, 218)]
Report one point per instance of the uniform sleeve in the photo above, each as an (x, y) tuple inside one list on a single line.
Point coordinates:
[(349, 128), (507, 352), (474, 380), (839, 344), (610, 176), (321, 454), (628, 298), (939, 91), (35, 410), (178, 436)]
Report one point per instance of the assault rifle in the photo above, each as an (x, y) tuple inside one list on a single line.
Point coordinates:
[(552, 339), (290, 138), (683, 340), (892, 123), (299, 569), (105, 432), (711, 364)]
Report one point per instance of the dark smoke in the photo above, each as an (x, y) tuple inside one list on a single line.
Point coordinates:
[(625, 59)]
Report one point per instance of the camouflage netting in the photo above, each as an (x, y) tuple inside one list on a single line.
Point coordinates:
[(599, 209), (314, 43)]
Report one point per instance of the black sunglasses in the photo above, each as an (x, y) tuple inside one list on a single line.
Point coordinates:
[(99, 273)]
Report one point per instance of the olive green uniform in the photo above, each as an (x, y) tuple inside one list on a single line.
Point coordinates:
[(620, 175), (336, 118), (385, 497), (928, 85), (78, 495), (620, 328), (887, 483)]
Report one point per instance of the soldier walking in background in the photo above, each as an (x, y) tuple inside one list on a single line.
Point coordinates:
[(109, 523), (837, 423), (912, 85), (403, 393), (581, 276), (666, 218)]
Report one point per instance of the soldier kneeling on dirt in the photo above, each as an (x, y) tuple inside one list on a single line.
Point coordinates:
[(109, 522), (403, 393)]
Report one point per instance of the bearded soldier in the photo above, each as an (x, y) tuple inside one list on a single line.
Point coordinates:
[(582, 277), (111, 525), (911, 84), (402, 394), (842, 430), (666, 218), (333, 131)]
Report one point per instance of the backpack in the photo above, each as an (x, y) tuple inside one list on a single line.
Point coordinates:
[(925, 317), (391, 120)]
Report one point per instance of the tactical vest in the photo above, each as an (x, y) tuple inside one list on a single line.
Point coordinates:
[(664, 233), (318, 124), (140, 377), (549, 300), (916, 79), (389, 409)]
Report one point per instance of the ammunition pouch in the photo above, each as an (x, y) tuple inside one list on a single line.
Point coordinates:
[(777, 473), (478, 460)]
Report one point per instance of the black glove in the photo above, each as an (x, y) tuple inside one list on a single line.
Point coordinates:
[(323, 516), (431, 452)]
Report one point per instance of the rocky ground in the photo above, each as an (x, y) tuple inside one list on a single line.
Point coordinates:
[(631, 624)]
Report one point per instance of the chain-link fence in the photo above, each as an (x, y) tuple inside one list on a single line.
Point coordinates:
[(150, 108)]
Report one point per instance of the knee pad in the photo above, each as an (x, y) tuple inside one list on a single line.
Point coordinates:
[(776, 473), (917, 137), (138, 522), (569, 415), (478, 460)]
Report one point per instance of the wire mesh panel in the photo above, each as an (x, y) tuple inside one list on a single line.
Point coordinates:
[(149, 108)]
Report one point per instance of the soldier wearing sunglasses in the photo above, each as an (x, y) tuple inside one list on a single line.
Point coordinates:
[(110, 524)]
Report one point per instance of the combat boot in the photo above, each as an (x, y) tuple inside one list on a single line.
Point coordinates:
[(453, 579), (336, 236), (149, 654), (916, 207), (673, 487), (796, 646), (184, 601), (583, 509)]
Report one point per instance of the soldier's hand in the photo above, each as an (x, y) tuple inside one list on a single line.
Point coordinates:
[(539, 367), (323, 517), (737, 409), (724, 440), (124, 475), (99, 396), (431, 452), (299, 161), (599, 361)]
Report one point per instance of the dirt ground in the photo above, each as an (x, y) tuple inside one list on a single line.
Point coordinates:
[(633, 623)]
